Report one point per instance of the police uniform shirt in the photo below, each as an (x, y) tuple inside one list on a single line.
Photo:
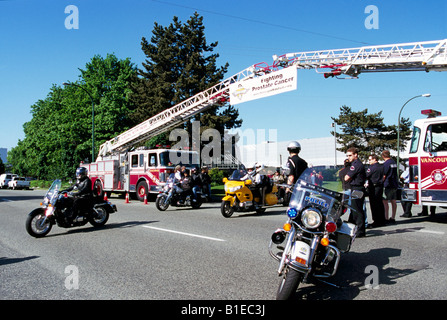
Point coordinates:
[(296, 166), (374, 174), (357, 174)]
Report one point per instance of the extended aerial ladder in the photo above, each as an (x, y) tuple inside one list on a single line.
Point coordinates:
[(415, 56)]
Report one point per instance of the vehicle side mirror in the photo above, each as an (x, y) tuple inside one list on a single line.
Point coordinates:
[(225, 180), (248, 182)]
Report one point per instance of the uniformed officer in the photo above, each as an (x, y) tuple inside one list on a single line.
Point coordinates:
[(374, 180), (295, 166), (356, 177)]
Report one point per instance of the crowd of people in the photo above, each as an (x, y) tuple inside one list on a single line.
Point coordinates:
[(192, 180), (380, 182)]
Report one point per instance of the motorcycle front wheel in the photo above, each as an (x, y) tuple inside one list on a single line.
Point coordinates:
[(226, 209), (102, 216), (36, 225), (161, 203), (289, 283)]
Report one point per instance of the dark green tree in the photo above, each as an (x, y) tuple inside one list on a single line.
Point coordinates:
[(179, 64), (368, 133)]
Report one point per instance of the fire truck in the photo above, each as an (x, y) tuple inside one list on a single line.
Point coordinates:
[(428, 161), (138, 172), (120, 168)]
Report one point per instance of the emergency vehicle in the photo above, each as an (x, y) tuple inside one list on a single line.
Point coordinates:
[(428, 161), (120, 169), (140, 171)]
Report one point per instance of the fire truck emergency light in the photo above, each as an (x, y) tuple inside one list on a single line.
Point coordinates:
[(430, 113)]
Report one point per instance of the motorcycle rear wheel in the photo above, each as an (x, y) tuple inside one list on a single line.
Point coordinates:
[(289, 284), (161, 204), (101, 218), (226, 209), (34, 225)]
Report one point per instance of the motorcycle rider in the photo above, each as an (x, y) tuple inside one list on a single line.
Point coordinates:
[(82, 192), (294, 166)]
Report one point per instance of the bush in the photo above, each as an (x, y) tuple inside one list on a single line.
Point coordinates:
[(216, 176)]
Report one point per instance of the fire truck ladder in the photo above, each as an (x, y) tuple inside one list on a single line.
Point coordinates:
[(416, 56), (173, 116)]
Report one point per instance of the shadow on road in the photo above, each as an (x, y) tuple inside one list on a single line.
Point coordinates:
[(111, 226), (352, 276), (5, 261)]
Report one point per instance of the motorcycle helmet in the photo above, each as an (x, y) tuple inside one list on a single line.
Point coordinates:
[(294, 147), (81, 173), (259, 167)]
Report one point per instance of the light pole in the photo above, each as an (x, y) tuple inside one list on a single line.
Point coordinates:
[(93, 115), (426, 95)]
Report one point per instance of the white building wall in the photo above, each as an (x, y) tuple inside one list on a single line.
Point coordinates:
[(317, 152)]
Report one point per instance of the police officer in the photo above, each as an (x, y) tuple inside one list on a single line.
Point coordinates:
[(295, 166), (374, 177), (356, 177)]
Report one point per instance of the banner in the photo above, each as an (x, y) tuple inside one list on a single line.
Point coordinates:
[(267, 85)]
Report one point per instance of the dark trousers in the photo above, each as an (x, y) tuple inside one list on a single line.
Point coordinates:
[(357, 216), (376, 204)]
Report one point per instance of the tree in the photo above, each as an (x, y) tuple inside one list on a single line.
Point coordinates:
[(368, 133), (58, 137), (180, 63)]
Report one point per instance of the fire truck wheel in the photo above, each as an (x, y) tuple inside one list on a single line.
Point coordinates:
[(141, 190), (98, 190)]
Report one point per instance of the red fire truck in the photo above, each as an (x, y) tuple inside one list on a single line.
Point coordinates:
[(428, 161), (138, 172)]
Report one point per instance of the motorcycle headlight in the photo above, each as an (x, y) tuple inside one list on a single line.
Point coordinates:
[(232, 189), (311, 218)]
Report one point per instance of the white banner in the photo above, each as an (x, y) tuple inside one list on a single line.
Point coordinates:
[(267, 85)]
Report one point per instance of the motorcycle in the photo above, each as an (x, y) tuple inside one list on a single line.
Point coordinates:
[(172, 194), (309, 245), (242, 196), (54, 208)]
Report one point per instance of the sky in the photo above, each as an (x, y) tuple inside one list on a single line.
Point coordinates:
[(38, 48)]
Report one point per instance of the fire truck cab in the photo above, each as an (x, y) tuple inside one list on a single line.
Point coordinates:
[(428, 161), (138, 172)]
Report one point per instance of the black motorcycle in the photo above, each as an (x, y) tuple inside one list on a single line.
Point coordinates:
[(53, 211), (309, 245), (172, 194)]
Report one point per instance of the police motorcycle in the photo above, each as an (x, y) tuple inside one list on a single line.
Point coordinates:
[(241, 195), (309, 245), (172, 194), (54, 207)]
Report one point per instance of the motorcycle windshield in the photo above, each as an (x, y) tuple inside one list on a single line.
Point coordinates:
[(308, 193), (238, 174), (54, 190)]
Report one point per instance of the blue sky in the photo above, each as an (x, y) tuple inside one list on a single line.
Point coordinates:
[(37, 51)]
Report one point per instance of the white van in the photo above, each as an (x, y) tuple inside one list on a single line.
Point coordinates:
[(5, 178)]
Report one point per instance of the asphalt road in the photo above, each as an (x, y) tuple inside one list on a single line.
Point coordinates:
[(185, 254)]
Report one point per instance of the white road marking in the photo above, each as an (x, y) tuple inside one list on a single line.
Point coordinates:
[(183, 233), (431, 231)]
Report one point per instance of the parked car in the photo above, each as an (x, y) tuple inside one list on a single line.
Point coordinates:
[(18, 183), (5, 178)]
